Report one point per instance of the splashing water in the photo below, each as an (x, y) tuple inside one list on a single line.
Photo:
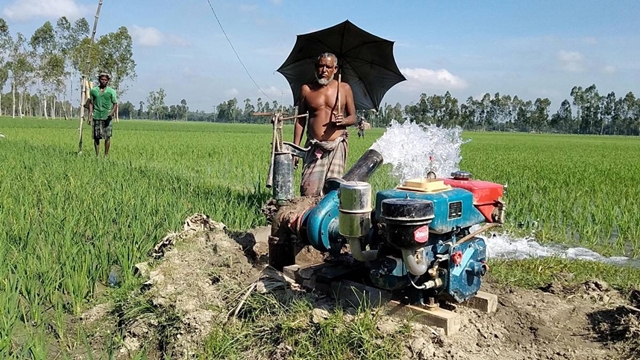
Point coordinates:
[(415, 149), (502, 246)]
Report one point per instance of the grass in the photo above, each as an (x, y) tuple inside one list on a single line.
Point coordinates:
[(288, 330), (66, 220)]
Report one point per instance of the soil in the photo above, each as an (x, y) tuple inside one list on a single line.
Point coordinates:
[(203, 274)]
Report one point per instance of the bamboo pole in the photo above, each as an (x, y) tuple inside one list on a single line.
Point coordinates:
[(83, 89), (339, 81)]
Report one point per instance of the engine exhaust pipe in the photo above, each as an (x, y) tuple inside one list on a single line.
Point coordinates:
[(364, 167)]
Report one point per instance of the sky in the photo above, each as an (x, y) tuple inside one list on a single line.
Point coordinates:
[(527, 48)]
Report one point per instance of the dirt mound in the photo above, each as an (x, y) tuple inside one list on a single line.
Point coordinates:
[(205, 277), (200, 273)]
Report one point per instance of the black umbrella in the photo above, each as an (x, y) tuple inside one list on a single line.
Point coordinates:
[(365, 61)]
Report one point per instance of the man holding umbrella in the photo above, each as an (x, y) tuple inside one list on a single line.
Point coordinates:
[(331, 108)]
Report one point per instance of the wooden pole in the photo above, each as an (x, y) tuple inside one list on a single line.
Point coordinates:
[(83, 99), (339, 81)]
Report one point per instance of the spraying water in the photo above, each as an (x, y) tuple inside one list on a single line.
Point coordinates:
[(415, 149), (503, 246)]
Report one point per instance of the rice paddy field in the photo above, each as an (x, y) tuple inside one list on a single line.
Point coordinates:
[(67, 221)]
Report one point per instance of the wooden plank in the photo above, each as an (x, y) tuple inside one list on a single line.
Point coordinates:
[(448, 321), (291, 272), (483, 301)]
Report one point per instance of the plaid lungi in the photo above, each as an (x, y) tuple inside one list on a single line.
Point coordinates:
[(325, 159), (102, 129)]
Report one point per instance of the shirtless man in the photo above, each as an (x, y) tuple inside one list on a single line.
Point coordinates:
[(331, 110)]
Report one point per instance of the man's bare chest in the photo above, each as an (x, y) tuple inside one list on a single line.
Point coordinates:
[(327, 99)]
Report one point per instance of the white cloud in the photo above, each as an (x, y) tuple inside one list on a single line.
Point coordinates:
[(276, 93), (248, 8), (571, 61), (21, 10), (150, 37), (232, 92), (423, 79), (609, 69)]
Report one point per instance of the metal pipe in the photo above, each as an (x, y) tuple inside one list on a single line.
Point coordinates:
[(364, 167), (481, 230), (415, 267), (356, 250)]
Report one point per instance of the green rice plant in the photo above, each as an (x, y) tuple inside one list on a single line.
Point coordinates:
[(66, 220)]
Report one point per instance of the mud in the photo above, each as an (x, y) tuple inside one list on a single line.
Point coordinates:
[(202, 275)]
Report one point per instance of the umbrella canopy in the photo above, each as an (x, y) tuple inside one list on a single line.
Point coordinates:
[(365, 61)]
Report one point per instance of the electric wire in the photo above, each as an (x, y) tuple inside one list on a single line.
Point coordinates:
[(234, 50)]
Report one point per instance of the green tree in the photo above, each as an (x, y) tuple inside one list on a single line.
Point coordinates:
[(155, 104), (607, 110), (116, 58), (5, 40), (126, 110), (141, 110), (248, 110), (540, 115), (69, 38), (50, 65), (184, 109), (21, 69), (562, 120)]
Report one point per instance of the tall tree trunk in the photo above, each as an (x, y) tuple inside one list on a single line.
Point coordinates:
[(20, 101), (13, 95), (53, 107), (44, 106)]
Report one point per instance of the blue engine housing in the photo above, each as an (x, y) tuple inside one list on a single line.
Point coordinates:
[(464, 279), (453, 208), (454, 214)]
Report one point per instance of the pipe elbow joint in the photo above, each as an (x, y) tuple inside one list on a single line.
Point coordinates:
[(416, 265)]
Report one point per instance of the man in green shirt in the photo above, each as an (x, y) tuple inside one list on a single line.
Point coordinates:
[(102, 107)]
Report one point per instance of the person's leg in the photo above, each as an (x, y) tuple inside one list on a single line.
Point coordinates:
[(107, 144), (106, 134), (96, 136)]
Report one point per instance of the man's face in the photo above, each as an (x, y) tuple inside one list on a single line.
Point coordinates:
[(325, 69), (103, 81)]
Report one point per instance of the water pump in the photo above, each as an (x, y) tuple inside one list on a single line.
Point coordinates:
[(419, 240)]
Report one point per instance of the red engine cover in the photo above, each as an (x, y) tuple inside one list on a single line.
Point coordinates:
[(485, 194)]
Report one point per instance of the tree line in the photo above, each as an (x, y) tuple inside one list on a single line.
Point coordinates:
[(43, 70), (585, 112)]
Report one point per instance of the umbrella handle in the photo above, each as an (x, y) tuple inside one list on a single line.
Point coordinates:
[(339, 81)]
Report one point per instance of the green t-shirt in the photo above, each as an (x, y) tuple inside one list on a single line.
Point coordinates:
[(102, 103)]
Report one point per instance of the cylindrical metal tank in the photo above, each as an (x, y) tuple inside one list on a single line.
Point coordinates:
[(354, 218), (283, 177)]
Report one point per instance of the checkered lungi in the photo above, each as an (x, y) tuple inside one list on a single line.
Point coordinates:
[(325, 159), (102, 129)]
